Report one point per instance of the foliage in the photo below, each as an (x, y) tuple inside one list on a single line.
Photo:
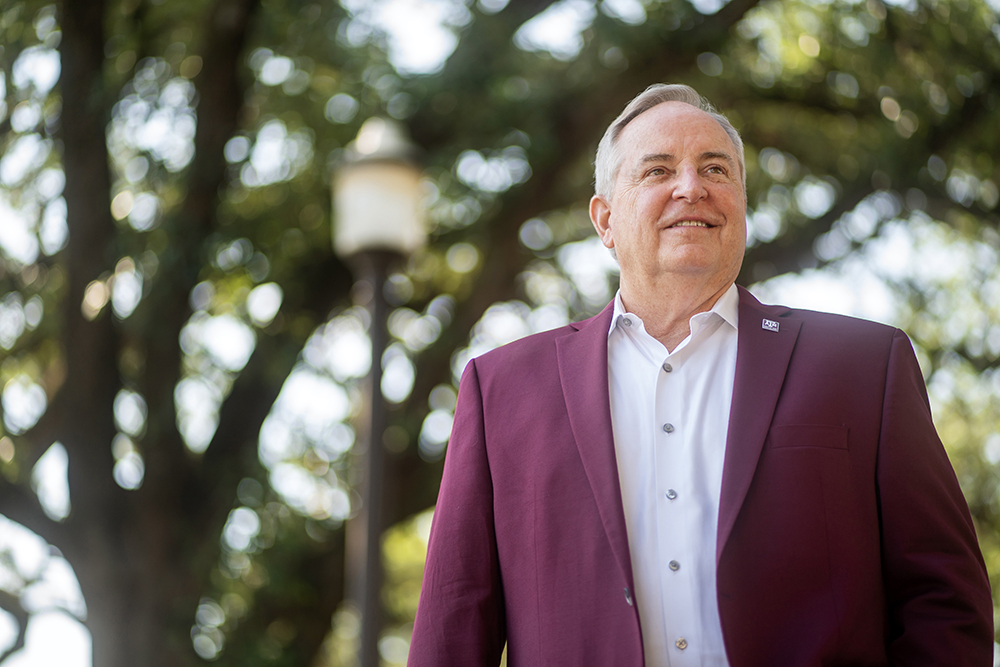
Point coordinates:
[(171, 191)]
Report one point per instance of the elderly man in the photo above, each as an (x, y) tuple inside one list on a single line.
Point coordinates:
[(692, 477)]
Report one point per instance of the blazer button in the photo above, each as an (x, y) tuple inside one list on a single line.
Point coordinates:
[(628, 596)]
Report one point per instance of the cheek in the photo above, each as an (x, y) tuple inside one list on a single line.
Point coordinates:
[(740, 231), (738, 245), (625, 223), (654, 198)]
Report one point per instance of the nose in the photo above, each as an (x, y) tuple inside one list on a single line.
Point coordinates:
[(688, 186)]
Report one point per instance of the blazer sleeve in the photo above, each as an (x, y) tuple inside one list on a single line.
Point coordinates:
[(460, 617), (938, 593)]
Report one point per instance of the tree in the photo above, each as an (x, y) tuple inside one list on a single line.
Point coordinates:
[(856, 116)]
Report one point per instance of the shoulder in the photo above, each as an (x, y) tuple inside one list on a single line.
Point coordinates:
[(825, 338), (814, 322), (538, 349)]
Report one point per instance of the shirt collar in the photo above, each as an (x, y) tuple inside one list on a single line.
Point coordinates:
[(727, 307)]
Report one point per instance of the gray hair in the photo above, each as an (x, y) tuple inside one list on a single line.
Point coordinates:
[(609, 157)]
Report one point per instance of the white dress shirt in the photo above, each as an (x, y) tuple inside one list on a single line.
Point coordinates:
[(669, 415)]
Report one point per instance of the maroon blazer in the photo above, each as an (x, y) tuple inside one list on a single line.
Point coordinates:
[(843, 536)]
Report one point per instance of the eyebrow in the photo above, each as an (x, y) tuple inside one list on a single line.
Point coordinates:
[(710, 155)]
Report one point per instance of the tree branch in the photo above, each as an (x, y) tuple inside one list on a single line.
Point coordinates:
[(157, 323), (232, 453), (21, 505)]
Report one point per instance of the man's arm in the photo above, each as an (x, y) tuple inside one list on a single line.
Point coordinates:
[(460, 619), (937, 589)]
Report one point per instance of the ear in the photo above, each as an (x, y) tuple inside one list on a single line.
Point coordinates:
[(600, 215)]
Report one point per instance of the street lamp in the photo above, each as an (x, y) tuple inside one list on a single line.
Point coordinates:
[(377, 221)]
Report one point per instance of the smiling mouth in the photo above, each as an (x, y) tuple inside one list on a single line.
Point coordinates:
[(690, 223)]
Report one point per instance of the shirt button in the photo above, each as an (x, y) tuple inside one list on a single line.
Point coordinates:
[(674, 565), (669, 428), (671, 494), (681, 643), (627, 322), (667, 367)]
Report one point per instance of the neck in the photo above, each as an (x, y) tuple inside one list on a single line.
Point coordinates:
[(666, 310)]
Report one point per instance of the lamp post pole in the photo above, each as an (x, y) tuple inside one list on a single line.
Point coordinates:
[(377, 222), (364, 583)]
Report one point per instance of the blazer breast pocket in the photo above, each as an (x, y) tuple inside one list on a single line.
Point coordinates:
[(827, 436)]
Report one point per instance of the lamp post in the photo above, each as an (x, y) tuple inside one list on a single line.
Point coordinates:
[(376, 222)]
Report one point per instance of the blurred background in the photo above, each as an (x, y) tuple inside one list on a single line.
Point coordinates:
[(186, 362)]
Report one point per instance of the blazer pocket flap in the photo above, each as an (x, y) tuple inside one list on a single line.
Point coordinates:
[(830, 436)]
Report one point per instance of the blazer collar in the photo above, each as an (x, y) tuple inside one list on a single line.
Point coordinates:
[(767, 336), (583, 371)]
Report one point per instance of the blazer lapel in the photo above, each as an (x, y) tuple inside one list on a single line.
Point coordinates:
[(583, 371), (766, 339)]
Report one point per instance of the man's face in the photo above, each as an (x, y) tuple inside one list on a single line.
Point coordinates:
[(678, 205)]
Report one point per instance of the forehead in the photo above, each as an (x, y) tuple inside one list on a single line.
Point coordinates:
[(676, 128)]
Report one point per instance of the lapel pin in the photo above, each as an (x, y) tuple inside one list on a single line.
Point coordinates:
[(769, 325)]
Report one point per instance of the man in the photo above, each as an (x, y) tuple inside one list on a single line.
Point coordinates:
[(692, 477)]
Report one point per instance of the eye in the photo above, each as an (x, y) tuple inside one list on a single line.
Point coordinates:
[(656, 171), (716, 169)]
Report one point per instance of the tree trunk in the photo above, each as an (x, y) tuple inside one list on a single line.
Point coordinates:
[(143, 558)]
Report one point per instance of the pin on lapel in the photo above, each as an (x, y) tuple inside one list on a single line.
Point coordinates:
[(769, 325)]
